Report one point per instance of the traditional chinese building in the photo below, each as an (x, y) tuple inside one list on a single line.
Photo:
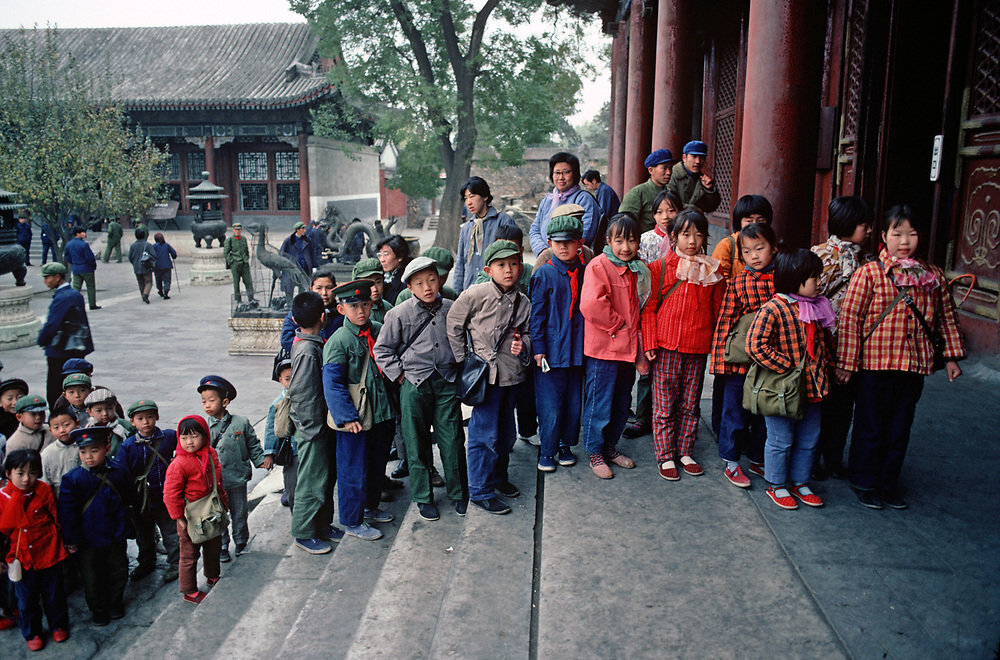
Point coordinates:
[(803, 100), (234, 100)]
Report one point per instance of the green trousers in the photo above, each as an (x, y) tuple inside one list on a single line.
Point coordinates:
[(435, 402), (241, 271), (317, 468), (78, 281), (115, 248)]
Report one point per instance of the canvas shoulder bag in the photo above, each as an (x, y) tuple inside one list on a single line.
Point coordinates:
[(771, 394), (206, 517), (359, 397)]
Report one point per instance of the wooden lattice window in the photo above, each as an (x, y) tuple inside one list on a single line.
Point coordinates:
[(268, 180), (984, 97), (725, 122)]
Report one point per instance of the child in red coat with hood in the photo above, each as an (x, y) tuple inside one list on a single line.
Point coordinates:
[(188, 479)]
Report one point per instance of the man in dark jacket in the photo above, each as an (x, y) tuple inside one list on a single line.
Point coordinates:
[(24, 238), (83, 264), (66, 313)]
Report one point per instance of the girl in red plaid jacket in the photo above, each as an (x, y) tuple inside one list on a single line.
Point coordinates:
[(896, 355), (677, 325), (791, 328), (741, 432)]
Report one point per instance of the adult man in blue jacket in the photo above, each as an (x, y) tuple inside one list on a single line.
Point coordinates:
[(83, 263), (66, 314)]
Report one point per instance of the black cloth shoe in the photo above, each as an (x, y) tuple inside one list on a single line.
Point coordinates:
[(391, 484), (636, 430), (116, 612), (95, 307), (145, 299), (402, 470), (507, 489), (493, 505), (166, 296), (870, 499), (224, 556), (140, 572), (436, 480), (428, 511), (100, 619), (894, 499), (461, 507)]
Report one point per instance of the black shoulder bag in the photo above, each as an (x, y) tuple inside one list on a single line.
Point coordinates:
[(472, 381)]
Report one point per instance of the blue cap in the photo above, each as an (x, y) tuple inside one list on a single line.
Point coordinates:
[(657, 157), (91, 435), (695, 148), (220, 384), (77, 366)]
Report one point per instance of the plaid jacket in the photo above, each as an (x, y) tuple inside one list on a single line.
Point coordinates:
[(745, 294), (777, 341), (898, 343)]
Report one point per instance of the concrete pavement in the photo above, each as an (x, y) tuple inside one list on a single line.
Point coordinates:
[(631, 567)]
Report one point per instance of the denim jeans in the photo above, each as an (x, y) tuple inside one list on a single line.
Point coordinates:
[(491, 435), (607, 393), (559, 399), (790, 445), (735, 437)]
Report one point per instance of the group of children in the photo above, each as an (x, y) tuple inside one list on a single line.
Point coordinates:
[(77, 489)]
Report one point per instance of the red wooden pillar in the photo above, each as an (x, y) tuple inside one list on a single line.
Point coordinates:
[(209, 158), (671, 86), (305, 211), (619, 101), (781, 112), (639, 118)]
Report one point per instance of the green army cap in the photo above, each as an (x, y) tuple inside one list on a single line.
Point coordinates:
[(139, 406), (354, 292), (53, 268), (77, 379), (299, 225), (443, 258), (500, 250), (30, 403), (366, 267), (237, 225), (565, 228)]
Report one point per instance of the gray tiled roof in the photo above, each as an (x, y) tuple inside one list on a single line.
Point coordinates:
[(254, 66)]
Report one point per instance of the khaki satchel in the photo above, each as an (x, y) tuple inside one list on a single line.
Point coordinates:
[(736, 340), (359, 397), (771, 394), (206, 517), (284, 427)]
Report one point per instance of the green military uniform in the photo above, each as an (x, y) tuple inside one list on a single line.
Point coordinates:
[(236, 251), (344, 348), (693, 193), (237, 445), (114, 238), (639, 202), (381, 308)]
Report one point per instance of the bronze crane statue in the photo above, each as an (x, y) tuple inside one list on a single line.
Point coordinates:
[(279, 264)]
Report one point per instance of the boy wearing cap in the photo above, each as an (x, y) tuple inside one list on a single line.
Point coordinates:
[(689, 181), (236, 252), (11, 390), (145, 455), (102, 408), (413, 350), (60, 457), (557, 342), (76, 388), (31, 432), (323, 283), (496, 315), (282, 374), (66, 311), (94, 501), (361, 453), (639, 200), (313, 495), (238, 448), (371, 269), (442, 257)]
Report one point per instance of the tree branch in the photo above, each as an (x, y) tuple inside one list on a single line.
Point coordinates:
[(478, 28)]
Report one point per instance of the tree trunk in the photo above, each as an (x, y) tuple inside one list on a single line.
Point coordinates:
[(450, 215)]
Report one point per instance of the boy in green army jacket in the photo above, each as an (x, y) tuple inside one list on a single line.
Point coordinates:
[(237, 445), (361, 452), (371, 269)]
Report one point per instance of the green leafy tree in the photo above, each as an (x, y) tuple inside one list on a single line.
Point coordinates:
[(443, 77), (65, 146)]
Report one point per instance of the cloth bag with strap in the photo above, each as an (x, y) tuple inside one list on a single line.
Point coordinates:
[(475, 370), (142, 480), (771, 394), (932, 334), (206, 517), (359, 397)]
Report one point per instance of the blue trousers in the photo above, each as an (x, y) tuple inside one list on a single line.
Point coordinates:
[(352, 467), (376, 456), (607, 395), (45, 585), (790, 445), (491, 436), (740, 432), (559, 400), (883, 415)]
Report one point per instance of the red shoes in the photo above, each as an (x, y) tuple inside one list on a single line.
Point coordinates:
[(781, 497), (668, 470), (737, 478), (36, 643), (805, 495), (691, 466), (60, 635), (195, 597)]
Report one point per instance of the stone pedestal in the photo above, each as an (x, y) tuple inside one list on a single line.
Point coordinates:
[(209, 267), (255, 335), (18, 324)]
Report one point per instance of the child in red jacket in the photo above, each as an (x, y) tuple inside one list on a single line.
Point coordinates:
[(677, 326), (188, 479), (28, 518)]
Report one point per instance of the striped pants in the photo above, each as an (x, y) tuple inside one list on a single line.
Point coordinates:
[(677, 381)]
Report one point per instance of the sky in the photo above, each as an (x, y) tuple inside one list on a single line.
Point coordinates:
[(122, 13)]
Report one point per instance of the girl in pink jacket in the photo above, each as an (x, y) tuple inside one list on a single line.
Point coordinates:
[(614, 290)]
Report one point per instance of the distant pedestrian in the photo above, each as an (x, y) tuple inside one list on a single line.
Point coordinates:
[(66, 333), (299, 249), (47, 246), (83, 264), (236, 252), (606, 196), (165, 254), (114, 241), (24, 238), (143, 259)]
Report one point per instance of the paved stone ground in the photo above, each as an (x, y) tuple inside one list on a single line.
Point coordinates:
[(632, 567)]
